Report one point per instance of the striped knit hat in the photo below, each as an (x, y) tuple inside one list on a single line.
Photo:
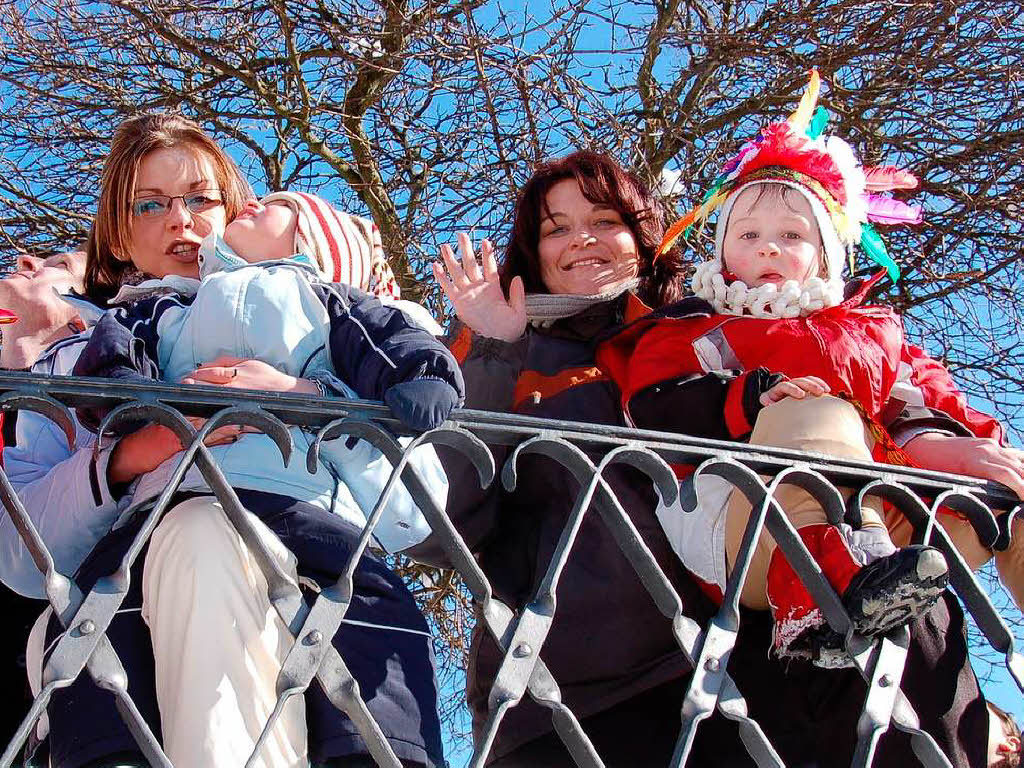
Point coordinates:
[(346, 248)]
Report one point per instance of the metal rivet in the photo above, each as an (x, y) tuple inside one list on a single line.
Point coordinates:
[(885, 681), (711, 664), (314, 638), (87, 627), (522, 651)]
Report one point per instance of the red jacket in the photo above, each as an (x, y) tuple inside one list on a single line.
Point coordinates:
[(859, 350)]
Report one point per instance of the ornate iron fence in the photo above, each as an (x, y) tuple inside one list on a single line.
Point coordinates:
[(520, 634)]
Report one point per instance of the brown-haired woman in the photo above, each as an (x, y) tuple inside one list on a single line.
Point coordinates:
[(579, 263), (197, 633), (151, 148)]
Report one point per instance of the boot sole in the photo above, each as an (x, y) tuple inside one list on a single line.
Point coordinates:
[(901, 595)]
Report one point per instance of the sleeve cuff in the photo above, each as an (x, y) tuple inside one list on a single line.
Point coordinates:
[(101, 493), (334, 386), (487, 345), (736, 420), (902, 437)]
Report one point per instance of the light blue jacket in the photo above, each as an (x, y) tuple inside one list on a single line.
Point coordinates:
[(278, 312)]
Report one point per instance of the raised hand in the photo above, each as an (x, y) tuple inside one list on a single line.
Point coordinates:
[(475, 291)]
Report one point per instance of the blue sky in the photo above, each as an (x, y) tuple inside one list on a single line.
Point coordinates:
[(596, 37)]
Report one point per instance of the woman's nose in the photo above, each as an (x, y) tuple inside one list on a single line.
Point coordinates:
[(179, 215), (582, 238), (27, 263)]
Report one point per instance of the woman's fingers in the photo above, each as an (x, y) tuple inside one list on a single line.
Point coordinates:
[(469, 262), (490, 263), (517, 296), (224, 361), (812, 384), (797, 388), (779, 392), (212, 374), (229, 433), (455, 273), (442, 278)]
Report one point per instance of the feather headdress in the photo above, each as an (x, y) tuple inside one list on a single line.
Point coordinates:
[(796, 152)]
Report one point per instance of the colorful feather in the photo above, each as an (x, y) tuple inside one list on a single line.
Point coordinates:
[(886, 210), (802, 116), (818, 123), (887, 177), (674, 232), (682, 227), (785, 148), (713, 191), (875, 249)]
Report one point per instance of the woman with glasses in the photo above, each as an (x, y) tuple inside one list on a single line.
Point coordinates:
[(197, 634)]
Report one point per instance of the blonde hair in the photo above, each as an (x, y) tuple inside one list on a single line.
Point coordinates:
[(108, 259)]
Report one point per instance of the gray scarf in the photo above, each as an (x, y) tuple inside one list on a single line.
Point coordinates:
[(543, 309)]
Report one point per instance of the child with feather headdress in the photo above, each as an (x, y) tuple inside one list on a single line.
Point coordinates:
[(778, 349)]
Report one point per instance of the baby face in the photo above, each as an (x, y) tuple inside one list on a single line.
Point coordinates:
[(772, 237), (262, 232)]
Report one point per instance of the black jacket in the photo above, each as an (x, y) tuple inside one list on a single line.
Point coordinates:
[(609, 643)]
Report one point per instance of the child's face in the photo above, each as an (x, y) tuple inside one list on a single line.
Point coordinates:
[(772, 237), (262, 232)]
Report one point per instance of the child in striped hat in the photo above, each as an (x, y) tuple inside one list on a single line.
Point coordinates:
[(305, 288), (343, 248), (346, 249)]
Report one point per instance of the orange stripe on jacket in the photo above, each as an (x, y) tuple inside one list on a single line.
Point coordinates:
[(536, 386), (461, 345)]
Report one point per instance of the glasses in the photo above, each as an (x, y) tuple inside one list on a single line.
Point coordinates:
[(155, 206)]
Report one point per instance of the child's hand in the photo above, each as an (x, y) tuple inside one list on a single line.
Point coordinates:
[(476, 294), (797, 388), (421, 404), (974, 456), (239, 373)]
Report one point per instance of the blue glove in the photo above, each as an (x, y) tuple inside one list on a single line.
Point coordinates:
[(421, 404)]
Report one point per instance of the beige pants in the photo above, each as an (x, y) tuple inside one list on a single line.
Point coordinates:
[(218, 644), (819, 424)]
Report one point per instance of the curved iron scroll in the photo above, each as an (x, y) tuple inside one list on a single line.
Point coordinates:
[(585, 452)]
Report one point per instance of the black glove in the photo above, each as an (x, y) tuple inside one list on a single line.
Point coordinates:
[(759, 381), (421, 404)]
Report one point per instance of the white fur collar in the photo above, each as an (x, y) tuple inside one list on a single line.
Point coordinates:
[(766, 301)]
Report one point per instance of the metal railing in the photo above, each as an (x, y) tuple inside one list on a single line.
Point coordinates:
[(520, 634)]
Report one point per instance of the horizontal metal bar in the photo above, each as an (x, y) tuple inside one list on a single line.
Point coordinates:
[(502, 428)]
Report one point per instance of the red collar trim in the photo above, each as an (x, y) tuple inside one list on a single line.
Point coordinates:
[(635, 308), (865, 287)]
